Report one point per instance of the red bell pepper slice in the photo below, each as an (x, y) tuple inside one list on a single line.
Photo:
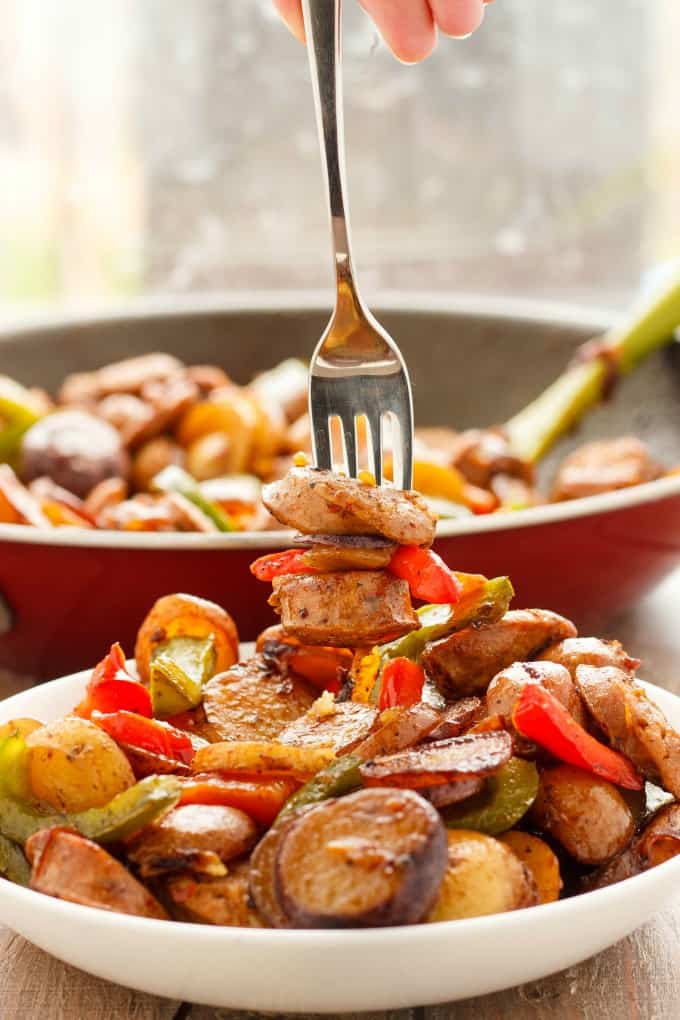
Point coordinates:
[(540, 717), (401, 684), (146, 734), (112, 689), (426, 574), (292, 561)]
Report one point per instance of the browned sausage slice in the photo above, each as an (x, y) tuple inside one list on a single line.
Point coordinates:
[(459, 717), (590, 651), (262, 875), (191, 835), (465, 662), (604, 465), (506, 687), (352, 608), (321, 502), (222, 901), (442, 761), (73, 868), (252, 702), (403, 728), (373, 858), (633, 723)]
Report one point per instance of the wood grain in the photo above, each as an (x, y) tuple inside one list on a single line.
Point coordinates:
[(638, 979)]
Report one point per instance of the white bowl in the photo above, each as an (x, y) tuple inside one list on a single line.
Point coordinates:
[(327, 971)]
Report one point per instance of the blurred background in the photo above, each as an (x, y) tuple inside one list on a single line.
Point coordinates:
[(155, 146)]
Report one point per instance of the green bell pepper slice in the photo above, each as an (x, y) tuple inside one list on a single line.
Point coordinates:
[(338, 778), (505, 799), (179, 669), (175, 479), (18, 411), (13, 864)]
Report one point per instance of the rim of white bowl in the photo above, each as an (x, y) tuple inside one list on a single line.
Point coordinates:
[(592, 319)]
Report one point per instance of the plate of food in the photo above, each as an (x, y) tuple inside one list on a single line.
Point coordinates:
[(130, 462), (404, 780)]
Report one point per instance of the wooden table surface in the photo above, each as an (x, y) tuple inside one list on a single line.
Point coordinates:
[(638, 979)]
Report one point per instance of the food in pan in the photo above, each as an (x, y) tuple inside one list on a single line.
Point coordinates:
[(151, 444), (402, 748)]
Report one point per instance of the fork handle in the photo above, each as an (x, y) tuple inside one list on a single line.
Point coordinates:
[(323, 30)]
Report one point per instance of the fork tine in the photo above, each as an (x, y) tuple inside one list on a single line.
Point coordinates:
[(350, 445), (402, 453), (374, 437), (321, 445)]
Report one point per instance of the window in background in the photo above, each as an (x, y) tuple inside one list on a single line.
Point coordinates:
[(149, 146)]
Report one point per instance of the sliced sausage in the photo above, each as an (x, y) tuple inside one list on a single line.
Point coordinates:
[(585, 814), (222, 901), (373, 858), (186, 834), (465, 662), (341, 727), (603, 466), (590, 651), (632, 723), (321, 502), (452, 793), (506, 687), (350, 609), (445, 761), (262, 875), (73, 868), (251, 702)]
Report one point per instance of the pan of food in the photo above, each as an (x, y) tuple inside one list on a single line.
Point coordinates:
[(404, 764), (134, 447)]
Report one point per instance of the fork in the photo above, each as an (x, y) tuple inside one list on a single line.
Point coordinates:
[(357, 371)]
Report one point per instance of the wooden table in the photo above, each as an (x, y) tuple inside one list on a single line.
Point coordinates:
[(638, 979)]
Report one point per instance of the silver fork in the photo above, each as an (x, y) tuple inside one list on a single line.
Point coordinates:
[(357, 369)]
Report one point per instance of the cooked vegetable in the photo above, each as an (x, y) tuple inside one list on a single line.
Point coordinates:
[(485, 602), (334, 780), (75, 449), (346, 552), (19, 409), (389, 844), (15, 777), (174, 479), (438, 762), (280, 564), (323, 666), (222, 901), (112, 688), (660, 839), (401, 684), (17, 504), (585, 814), (539, 716), (189, 834), (73, 868), (261, 800), (179, 669), (400, 728), (73, 765), (426, 574), (138, 732), (13, 864), (452, 793), (504, 691), (261, 758), (186, 616), (252, 702), (505, 799), (338, 726), (482, 877), (540, 861), (458, 718)]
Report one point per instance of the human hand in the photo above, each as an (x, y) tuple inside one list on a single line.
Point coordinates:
[(409, 27)]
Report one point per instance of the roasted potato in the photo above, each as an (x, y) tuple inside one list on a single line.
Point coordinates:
[(267, 759), (19, 728), (540, 860), (186, 616), (585, 814), (482, 877), (73, 765)]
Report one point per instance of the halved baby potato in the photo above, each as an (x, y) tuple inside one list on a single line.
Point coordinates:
[(186, 616)]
